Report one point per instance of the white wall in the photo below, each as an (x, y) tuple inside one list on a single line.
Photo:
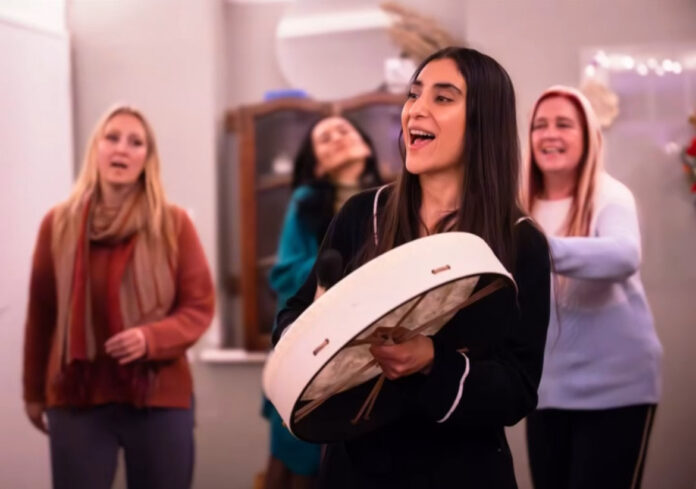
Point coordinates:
[(35, 168), (251, 65), (539, 42), (45, 15)]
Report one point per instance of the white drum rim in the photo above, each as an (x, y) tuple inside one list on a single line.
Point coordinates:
[(287, 409)]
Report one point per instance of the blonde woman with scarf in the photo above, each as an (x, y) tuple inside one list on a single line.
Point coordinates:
[(120, 289), (601, 378)]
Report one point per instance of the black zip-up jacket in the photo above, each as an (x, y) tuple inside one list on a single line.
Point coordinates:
[(505, 336)]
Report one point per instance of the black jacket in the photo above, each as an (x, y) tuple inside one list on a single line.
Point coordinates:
[(505, 336)]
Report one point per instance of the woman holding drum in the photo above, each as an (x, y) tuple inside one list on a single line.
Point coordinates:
[(458, 388)]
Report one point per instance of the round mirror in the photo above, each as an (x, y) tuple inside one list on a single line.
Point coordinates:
[(334, 49)]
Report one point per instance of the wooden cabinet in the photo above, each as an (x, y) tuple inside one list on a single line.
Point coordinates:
[(262, 141)]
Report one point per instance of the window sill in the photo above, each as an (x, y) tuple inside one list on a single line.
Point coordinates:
[(233, 356)]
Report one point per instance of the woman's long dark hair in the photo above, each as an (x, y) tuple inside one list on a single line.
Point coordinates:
[(318, 209), (489, 206)]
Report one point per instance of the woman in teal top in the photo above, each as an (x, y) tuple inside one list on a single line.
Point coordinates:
[(335, 161)]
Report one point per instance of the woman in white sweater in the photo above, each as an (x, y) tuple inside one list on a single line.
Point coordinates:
[(601, 379)]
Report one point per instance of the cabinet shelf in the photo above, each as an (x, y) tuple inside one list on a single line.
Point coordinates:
[(272, 181)]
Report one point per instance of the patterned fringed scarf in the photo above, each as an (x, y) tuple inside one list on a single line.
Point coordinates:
[(140, 289)]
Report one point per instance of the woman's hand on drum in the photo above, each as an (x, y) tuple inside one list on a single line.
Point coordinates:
[(409, 357)]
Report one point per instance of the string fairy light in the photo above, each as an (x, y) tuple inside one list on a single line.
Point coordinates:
[(602, 61)]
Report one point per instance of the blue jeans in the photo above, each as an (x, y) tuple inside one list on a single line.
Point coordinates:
[(157, 444)]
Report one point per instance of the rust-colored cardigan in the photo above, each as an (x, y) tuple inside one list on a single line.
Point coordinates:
[(167, 339)]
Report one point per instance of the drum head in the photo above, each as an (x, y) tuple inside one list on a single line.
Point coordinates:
[(430, 310)]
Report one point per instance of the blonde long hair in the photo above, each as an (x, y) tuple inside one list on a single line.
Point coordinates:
[(160, 223), (590, 167)]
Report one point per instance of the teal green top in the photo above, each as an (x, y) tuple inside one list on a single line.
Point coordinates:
[(297, 250)]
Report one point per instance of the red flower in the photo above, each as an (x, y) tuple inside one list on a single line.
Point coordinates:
[(691, 151)]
